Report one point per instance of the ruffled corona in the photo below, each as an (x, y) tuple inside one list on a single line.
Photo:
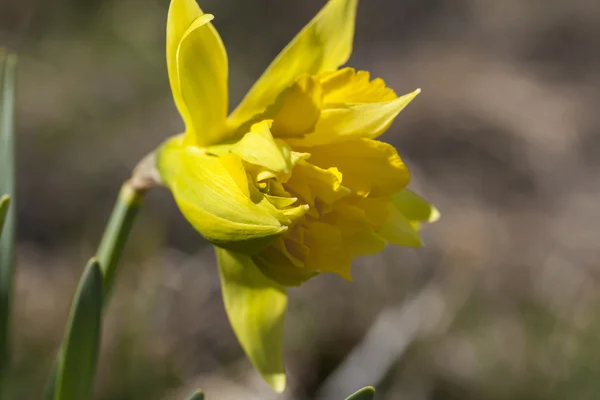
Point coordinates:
[(307, 188)]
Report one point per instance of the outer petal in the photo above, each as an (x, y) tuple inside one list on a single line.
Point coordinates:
[(181, 15), (216, 197), (390, 224), (202, 71), (398, 230), (323, 45), (256, 307), (415, 208)]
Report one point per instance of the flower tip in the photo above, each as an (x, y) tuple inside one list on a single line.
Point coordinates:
[(276, 382), (416, 92), (345, 274), (434, 215)]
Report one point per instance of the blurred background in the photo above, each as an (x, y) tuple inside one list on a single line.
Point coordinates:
[(501, 303)]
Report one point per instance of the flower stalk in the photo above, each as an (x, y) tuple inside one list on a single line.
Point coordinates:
[(117, 231)]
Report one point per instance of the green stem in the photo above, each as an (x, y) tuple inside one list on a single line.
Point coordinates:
[(115, 236)]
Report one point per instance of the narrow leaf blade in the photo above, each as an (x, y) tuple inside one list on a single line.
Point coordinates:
[(8, 66), (197, 395), (4, 204), (77, 365), (366, 393)]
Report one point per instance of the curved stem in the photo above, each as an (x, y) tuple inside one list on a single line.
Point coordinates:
[(117, 231)]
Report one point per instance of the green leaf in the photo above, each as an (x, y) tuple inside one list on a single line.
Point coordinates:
[(198, 395), (8, 64), (4, 203), (256, 308), (366, 393), (77, 365)]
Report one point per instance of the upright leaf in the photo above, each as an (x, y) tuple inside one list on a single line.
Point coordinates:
[(77, 364), (7, 187), (4, 203), (366, 393)]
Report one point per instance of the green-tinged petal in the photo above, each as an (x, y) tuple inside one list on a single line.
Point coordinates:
[(216, 197), (322, 45), (398, 230), (390, 224), (202, 71), (351, 121), (414, 207), (256, 308)]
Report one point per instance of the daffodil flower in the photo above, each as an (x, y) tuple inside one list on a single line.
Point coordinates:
[(293, 183)]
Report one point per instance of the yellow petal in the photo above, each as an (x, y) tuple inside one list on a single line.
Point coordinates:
[(390, 224), (368, 167), (326, 249), (316, 185), (322, 45), (260, 148), (414, 207), (202, 72), (256, 308), (216, 197), (277, 263), (350, 86), (357, 232), (398, 230), (298, 108), (181, 15), (363, 243), (349, 121)]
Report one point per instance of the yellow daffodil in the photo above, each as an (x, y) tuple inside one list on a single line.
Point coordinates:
[(294, 182)]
